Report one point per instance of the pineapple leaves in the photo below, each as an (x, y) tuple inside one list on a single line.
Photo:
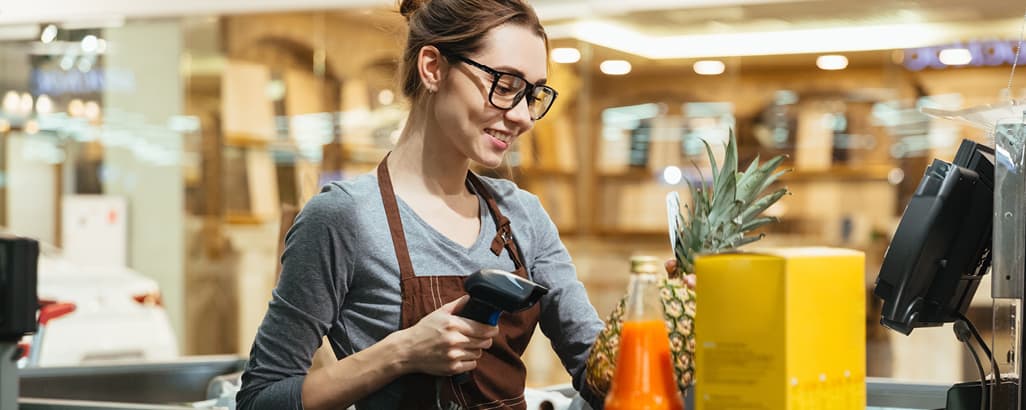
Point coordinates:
[(721, 213), (773, 178), (763, 203), (712, 160), (757, 222), (748, 240), (754, 181)]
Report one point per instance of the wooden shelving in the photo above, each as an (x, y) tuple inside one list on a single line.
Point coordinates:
[(243, 140), (840, 173)]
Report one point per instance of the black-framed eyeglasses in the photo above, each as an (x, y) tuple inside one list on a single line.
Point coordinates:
[(508, 89)]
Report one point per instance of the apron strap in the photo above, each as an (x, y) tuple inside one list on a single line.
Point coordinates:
[(395, 222), (503, 232)]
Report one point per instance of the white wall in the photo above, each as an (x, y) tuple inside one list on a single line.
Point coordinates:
[(31, 189), (143, 158)]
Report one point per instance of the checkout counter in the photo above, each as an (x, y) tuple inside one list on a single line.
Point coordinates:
[(202, 381)]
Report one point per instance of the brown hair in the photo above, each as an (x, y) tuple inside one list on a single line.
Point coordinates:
[(456, 28)]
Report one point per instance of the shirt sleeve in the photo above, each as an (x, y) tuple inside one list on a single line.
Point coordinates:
[(568, 318), (315, 267)]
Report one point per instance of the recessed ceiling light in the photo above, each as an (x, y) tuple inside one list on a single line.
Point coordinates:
[(709, 67), (49, 34), (615, 67), (832, 62), (566, 55), (955, 56)]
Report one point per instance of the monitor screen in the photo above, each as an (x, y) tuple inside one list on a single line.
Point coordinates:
[(941, 247)]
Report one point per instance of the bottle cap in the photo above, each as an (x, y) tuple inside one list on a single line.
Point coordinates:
[(644, 264)]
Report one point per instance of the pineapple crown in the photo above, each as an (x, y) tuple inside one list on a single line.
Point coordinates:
[(718, 219)]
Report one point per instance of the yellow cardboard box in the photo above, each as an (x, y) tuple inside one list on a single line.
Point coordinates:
[(781, 329)]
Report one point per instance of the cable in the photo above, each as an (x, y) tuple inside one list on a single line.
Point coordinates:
[(964, 335), (986, 350), (983, 345)]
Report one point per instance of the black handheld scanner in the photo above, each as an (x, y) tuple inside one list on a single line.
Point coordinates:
[(492, 292)]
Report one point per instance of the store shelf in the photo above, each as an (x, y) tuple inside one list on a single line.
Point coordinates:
[(840, 173), (629, 174), (235, 218), (243, 140), (626, 233), (544, 173)]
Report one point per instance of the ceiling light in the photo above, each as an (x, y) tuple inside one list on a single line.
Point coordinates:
[(832, 62), (955, 56), (76, 108), (26, 104), (615, 67), (11, 102), (672, 175), (85, 64), (566, 55), (800, 41), (89, 43), (49, 34), (895, 176), (67, 62), (44, 105), (386, 97), (92, 111), (709, 67)]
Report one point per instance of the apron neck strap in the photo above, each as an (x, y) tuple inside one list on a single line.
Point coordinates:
[(503, 232), (395, 222)]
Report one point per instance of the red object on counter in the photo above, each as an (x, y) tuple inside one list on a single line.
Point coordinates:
[(52, 311)]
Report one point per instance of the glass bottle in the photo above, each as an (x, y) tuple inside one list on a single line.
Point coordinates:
[(644, 378)]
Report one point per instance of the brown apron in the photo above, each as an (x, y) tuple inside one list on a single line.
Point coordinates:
[(498, 380)]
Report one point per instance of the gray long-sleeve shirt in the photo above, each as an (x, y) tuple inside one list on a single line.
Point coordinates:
[(340, 278)]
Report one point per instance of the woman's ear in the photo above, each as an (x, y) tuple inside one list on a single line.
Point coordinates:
[(431, 66)]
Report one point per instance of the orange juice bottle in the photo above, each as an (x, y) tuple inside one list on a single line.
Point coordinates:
[(644, 378)]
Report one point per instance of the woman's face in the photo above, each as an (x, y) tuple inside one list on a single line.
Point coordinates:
[(475, 127)]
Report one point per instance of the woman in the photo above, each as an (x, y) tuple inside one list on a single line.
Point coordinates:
[(377, 263)]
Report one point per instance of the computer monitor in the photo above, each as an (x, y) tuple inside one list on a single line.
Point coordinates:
[(942, 245), (18, 304)]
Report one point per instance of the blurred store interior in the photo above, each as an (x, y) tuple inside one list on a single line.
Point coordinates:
[(160, 149)]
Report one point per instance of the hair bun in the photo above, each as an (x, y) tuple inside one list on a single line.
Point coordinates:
[(408, 7)]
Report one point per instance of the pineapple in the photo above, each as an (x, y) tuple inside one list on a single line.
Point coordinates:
[(715, 221)]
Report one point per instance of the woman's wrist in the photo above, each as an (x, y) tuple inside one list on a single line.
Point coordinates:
[(395, 349)]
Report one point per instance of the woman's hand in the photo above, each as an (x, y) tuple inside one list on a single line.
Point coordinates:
[(443, 344), (671, 269)]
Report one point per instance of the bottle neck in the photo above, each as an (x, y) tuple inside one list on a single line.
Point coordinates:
[(644, 302)]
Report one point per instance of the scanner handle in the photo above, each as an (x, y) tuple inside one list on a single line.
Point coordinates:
[(479, 311)]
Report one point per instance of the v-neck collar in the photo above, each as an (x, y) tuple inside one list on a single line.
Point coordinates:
[(484, 222)]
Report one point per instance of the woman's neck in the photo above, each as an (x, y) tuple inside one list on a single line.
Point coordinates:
[(424, 162)]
